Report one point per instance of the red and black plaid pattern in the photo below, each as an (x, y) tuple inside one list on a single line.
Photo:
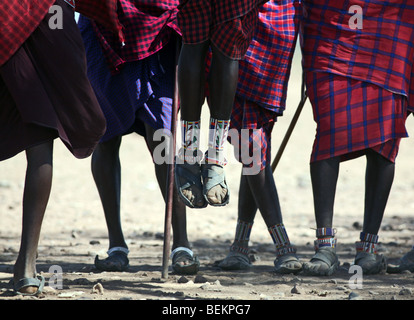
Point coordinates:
[(103, 12), (147, 27), (353, 116), (254, 126), (229, 24), (18, 19), (382, 52)]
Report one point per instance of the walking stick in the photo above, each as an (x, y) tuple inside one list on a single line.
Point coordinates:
[(291, 126), (170, 176)]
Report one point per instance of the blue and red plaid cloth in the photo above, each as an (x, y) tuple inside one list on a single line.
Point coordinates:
[(18, 20), (358, 80), (264, 76), (382, 52), (147, 27), (353, 116)]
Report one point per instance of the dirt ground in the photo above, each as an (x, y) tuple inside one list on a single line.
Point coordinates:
[(74, 229)]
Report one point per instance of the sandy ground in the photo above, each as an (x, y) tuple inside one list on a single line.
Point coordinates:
[(74, 229)]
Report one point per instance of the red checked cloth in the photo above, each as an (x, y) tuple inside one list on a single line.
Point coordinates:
[(18, 19), (103, 12), (382, 52), (147, 27)]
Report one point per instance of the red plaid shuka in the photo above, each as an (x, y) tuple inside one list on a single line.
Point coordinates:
[(265, 69), (18, 20), (102, 12), (229, 24), (369, 111), (147, 27), (263, 78), (382, 52), (353, 116)]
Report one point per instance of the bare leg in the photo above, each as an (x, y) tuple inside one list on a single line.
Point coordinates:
[(222, 84), (35, 198), (184, 262), (191, 79), (324, 175), (223, 80), (251, 198), (179, 220), (268, 202), (106, 170), (378, 181)]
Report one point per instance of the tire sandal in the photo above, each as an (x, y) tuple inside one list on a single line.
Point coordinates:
[(288, 263), (38, 282), (117, 260), (182, 254), (371, 263), (324, 263), (235, 261), (188, 176), (406, 263), (213, 175)]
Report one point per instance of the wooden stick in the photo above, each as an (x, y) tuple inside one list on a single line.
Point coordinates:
[(170, 177), (291, 127)]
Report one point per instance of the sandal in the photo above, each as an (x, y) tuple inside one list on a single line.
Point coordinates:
[(38, 282), (371, 263), (182, 254), (235, 261), (117, 260), (188, 176), (213, 175), (324, 263), (288, 263), (406, 263)]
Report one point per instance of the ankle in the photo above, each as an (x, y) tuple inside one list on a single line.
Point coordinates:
[(325, 238), (368, 243), (281, 240), (242, 237), (240, 247)]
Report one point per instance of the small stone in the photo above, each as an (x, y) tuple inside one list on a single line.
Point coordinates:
[(342, 288), (353, 296), (405, 292), (98, 288), (200, 279), (295, 290), (182, 280)]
